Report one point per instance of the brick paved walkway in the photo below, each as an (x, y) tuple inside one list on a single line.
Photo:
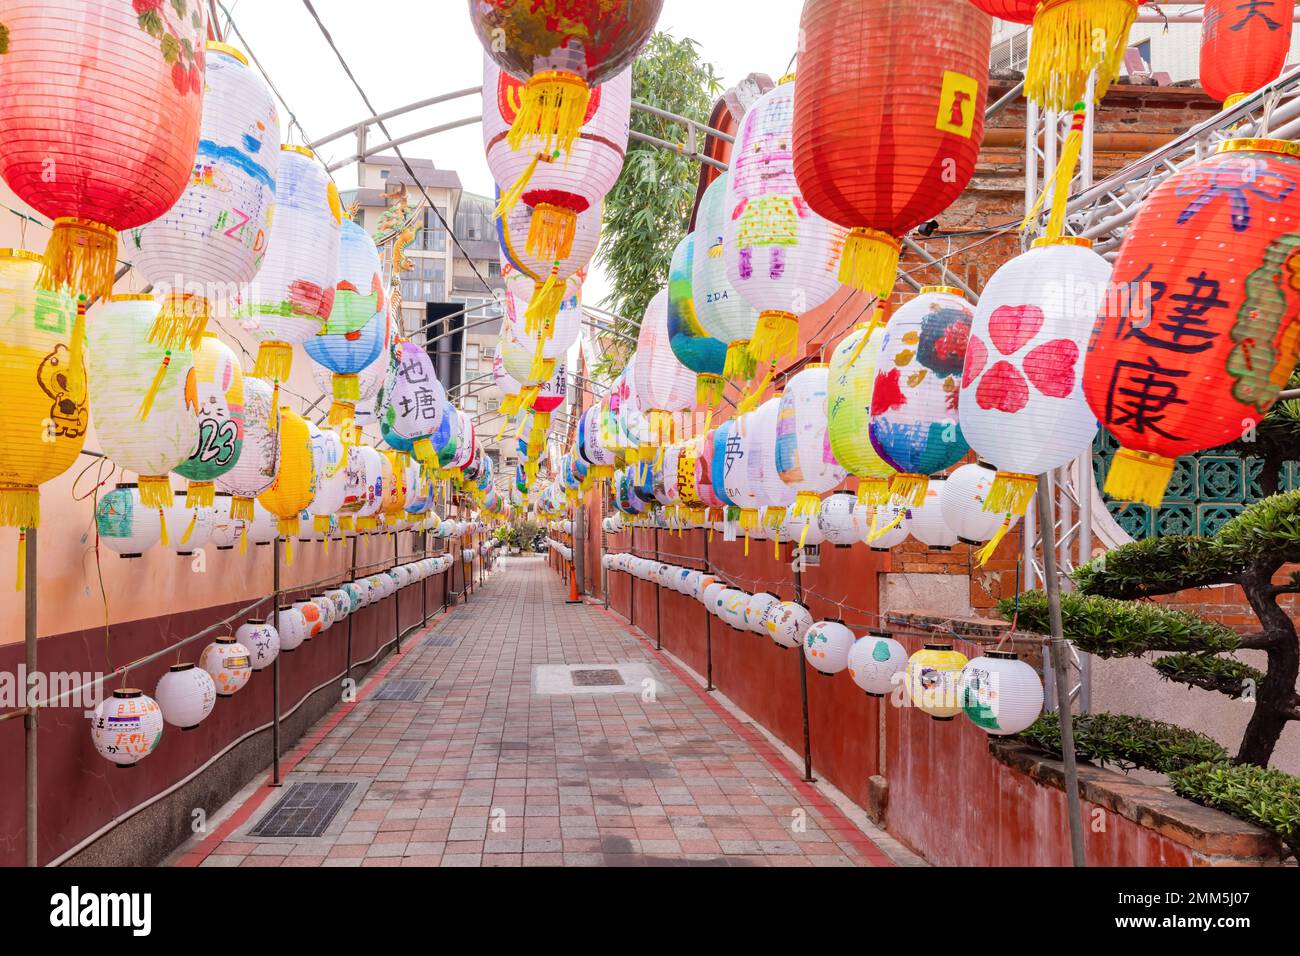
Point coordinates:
[(487, 771)]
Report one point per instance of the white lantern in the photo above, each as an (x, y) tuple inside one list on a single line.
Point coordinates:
[(1000, 694), (127, 727), (826, 646), (188, 529), (228, 663), (185, 695), (803, 451), (259, 456), (225, 529), (262, 529), (329, 461), (291, 626), (932, 678), (124, 525), (342, 602), (883, 526), (731, 451), (756, 609), (787, 623), (722, 312), (262, 641), (772, 492), (962, 503), (548, 274), (835, 519), (926, 521), (312, 616), (732, 611), (412, 401), (535, 352), (665, 388), (876, 663), (326, 606)]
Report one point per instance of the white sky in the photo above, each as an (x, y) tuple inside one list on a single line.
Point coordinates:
[(402, 51)]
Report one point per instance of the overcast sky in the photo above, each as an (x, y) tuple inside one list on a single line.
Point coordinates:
[(402, 51)]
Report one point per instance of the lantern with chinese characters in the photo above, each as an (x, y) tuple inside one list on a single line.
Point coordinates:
[(126, 375), (412, 400), (549, 396), (787, 623), (665, 388), (185, 695), (547, 275), (1206, 336), (932, 678), (124, 525), (127, 727), (962, 502), (356, 331), (228, 663), (848, 411), (773, 493), (826, 646), (888, 118), (293, 295), (542, 348), (214, 238), (214, 393), (258, 460), (731, 450), (295, 481), (926, 521), (84, 145), (803, 448), (1022, 405), (780, 254), (1244, 44), (1000, 694), (696, 349), (43, 412), (601, 460), (876, 664), (914, 411), (723, 313), (262, 641)]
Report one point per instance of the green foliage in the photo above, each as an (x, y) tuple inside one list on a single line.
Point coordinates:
[(1226, 675), (1268, 530), (1111, 628), (1267, 798), (1127, 742), (649, 208), (1156, 566), (518, 534)]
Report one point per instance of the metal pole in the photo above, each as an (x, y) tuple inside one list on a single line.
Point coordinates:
[(580, 546), (397, 601), (803, 692), (659, 641), (424, 587), (275, 671), (31, 635), (1059, 649), (352, 576), (708, 625)]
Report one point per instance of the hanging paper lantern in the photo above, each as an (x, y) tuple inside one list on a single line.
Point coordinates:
[(914, 412), (723, 313), (127, 727), (125, 525), (665, 388), (229, 665), (262, 641), (1196, 352), (884, 526), (694, 348), (329, 459), (128, 378), (412, 401), (43, 414), (327, 612), (214, 238), (780, 254), (931, 679), (293, 295), (926, 521), (371, 378), (962, 502), (185, 696), (188, 527), (1000, 693), (803, 448), (600, 458), (259, 455), (225, 529), (800, 530), (262, 528), (548, 275), (787, 624), (848, 410), (771, 491), (312, 616), (356, 331), (295, 481), (826, 646), (1022, 404), (1244, 45), (888, 118), (214, 393), (83, 146), (835, 519), (876, 664), (546, 343)]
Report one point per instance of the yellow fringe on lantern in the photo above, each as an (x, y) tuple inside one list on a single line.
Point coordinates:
[(776, 336), (1070, 39), (243, 539), (77, 385), (288, 552), (552, 107), (80, 257), (661, 427), (146, 404), (189, 528), (774, 518), (806, 504), (542, 368), (909, 489), (274, 359), (1139, 476), (986, 550), (541, 423), (600, 472), (20, 507), (241, 508), (1011, 492), (347, 387), (551, 231), (200, 494), (510, 404), (156, 491), (740, 363), (342, 414), (162, 528), (869, 261), (347, 523), (544, 307), (21, 560), (873, 491), (1058, 184), (181, 321), (709, 389)]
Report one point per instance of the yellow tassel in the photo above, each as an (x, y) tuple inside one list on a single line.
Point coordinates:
[(274, 360), (544, 306), (755, 395), (347, 523), (80, 258), (876, 320), (806, 504), (909, 489), (200, 494), (146, 404), (20, 507), (321, 523), (550, 232), (869, 261), (542, 368), (740, 364), (241, 508), (342, 414), (189, 528), (243, 539), (288, 552), (986, 551), (1139, 476), (1010, 493), (77, 387), (776, 336), (803, 535), (156, 491), (746, 545), (510, 198), (510, 404), (709, 389), (424, 450), (776, 548), (1058, 184), (162, 523), (181, 321), (775, 517), (1070, 39), (347, 387), (21, 559), (876, 532), (873, 491), (505, 421), (552, 107)]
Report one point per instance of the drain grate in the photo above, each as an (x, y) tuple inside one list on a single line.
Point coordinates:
[(305, 811), (596, 678), (442, 640), (397, 689)]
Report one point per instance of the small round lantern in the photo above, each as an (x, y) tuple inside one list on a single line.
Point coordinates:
[(835, 519), (185, 696), (312, 616), (756, 609), (262, 641), (826, 646), (933, 674), (926, 521), (291, 626), (1000, 694), (225, 529), (876, 664), (124, 524), (127, 727), (228, 663), (788, 623), (962, 502)]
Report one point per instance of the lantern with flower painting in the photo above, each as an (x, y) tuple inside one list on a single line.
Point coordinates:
[(1244, 45), (213, 240), (259, 458), (888, 117), (723, 313), (848, 411), (665, 388), (214, 392), (781, 255), (1206, 334), (700, 352), (295, 481), (914, 401), (803, 449), (85, 147)]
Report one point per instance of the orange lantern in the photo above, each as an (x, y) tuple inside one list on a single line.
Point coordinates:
[(888, 117), (1244, 44), (100, 103), (1198, 331)]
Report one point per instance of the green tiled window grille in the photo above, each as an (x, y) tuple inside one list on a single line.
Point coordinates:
[(1206, 490)]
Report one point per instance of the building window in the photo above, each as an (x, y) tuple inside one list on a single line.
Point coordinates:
[(433, 237), (493, 404), (494, 269), (469, 403)]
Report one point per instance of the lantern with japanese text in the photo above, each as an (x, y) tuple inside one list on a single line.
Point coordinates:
[(214, 238), (127, 727), (1244, 45), (262, 640), (780, 253), (888, 118), (803, 448), (665, 388), (932, 678), (293, 295), (295, 481), (100, 103), (696, 349), (723, 313), (848, 411), (214, 393), (1197, 351), (999, 693), (884, 526), (412, 400), (914, 424)]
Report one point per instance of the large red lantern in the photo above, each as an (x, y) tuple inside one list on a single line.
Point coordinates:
[(100, 102), (888, 117), (1244, 44), (1198, 331)]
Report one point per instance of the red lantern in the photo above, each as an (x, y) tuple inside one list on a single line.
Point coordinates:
[(100, 102), (888, 117), (1244, 44), (1198, 330), (1013, 11)]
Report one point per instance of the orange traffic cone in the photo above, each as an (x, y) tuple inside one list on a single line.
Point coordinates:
[(573, 585)]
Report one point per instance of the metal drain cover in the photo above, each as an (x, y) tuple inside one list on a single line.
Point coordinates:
[(596, 678), (623, 678), (441, 640), (396, 689), (305, 811)]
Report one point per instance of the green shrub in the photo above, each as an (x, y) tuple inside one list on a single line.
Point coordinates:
[(1268, 798), (1156, 566), (1223, 674), (1127, 742)]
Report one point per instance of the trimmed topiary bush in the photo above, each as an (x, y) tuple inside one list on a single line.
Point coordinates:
[(1127, 742), (1268, 798)]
